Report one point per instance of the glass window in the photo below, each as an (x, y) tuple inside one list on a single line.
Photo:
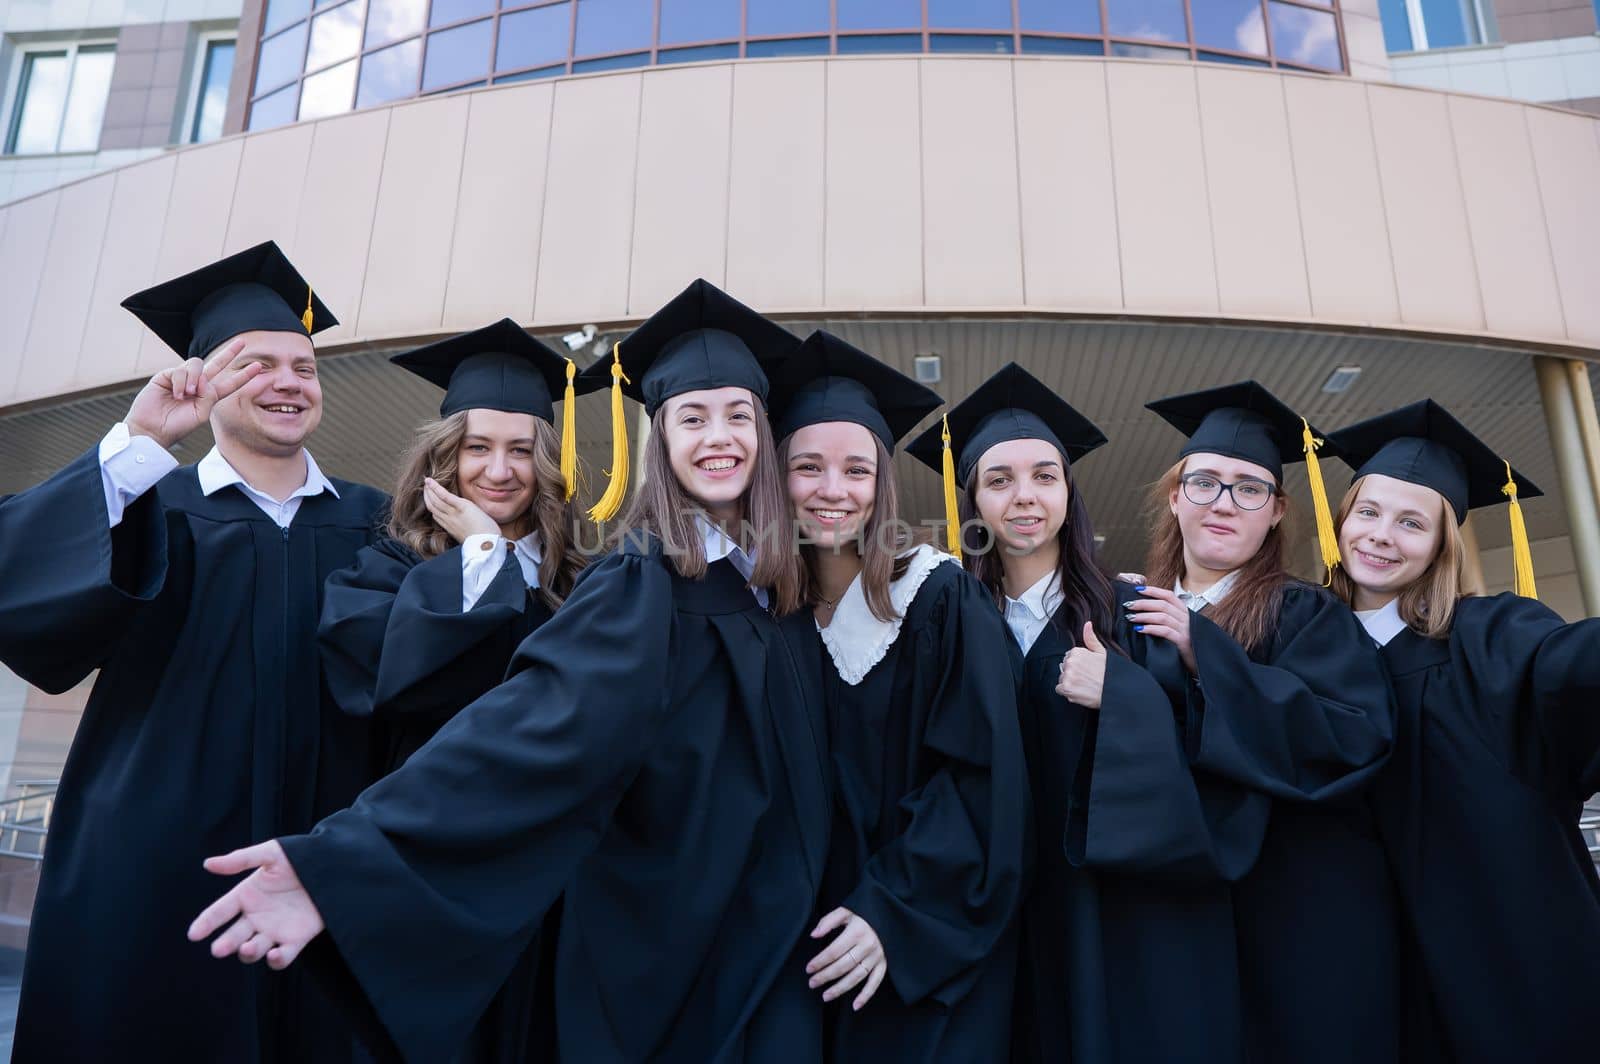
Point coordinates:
[(211, 101), (281, 58), (699, 54), (1147, 51), (614, 25), (275, 110), (1059, 16), (460, 54), (1236, 60), (1237, 25), (282, 12), (880, 42), (969, 42), (390, 74), (1397, 25), (792, 46), (1302, 36), (445, 11), (531, 38), (335, 35), (1151, 20), (1062, 46), (878, 14), (61, 100), (529, 75), (765, 18), (612, 62), (1449, 23), (390, 20), (328, 93), (970, 14), (683, 21)]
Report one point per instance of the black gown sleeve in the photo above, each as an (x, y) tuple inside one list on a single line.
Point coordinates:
[(70, 585), (434, 882), (943, 891)]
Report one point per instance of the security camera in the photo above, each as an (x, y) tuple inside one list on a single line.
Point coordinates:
[(577, 341)]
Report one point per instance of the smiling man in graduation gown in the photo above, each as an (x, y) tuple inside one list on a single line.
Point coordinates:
[(195, 591)]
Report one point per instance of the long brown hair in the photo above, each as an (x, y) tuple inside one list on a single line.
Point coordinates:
[(435, 452), (664, 509), (1428, 603), (1250, 612), (881, 540)]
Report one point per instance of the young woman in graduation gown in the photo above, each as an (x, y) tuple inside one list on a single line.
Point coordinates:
[(1284, 700), (657, 754), (1118, 963), (915, 949), (1497, 745), (478, 554)]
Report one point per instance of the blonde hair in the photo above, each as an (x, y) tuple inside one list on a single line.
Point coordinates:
[(436, 453), (1428, 603)]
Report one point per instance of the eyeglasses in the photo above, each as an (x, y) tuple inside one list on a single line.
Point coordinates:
[(1247, 494)]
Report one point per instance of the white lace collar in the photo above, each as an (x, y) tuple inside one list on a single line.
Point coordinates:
[(856, 639)]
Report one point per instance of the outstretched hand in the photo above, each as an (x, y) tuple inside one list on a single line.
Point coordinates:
[(176, 401), (268, 914)]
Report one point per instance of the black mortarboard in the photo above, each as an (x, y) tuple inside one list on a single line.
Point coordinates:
[(1011, 405), (1423, 444), (258, 288), (1243, 421), (497, 367), (830, 380)]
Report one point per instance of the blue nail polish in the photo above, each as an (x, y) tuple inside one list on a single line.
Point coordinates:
[(1138, 628), (1139, 587)]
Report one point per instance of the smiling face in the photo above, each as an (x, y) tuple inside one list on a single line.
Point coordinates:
[(275, 413), (494, 467), (712, 442), (832, 480), (1390, 536), (1022, 494), (1221, 536)]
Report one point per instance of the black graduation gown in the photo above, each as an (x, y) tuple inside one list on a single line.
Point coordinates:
[(1128, 934), (930, 830), (1497, 746), (207, 730), (398, 649), (659, 756)]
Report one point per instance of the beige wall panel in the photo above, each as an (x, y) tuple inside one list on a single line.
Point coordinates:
[(495, 256), (27, 230), (1566, 154), (111, 336), (874, 166), (1433, 256), (972, 240), (587, 231), (202, 198), (775, 185), (1162, 213), (66, 284), (1255, 211), (1341, 202), (409, 257), (335, 227), (266, 198), (1071, 254), (680, 220)]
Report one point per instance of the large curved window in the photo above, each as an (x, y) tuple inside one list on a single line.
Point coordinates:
[(321, 57)]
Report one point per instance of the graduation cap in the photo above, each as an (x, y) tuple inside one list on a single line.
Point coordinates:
[(258, 288), (501, 367), (1247, 422), (702, 339), (1011, 405), (831, 380), (1423, 444)]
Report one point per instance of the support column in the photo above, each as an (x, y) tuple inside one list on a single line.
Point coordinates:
[(1588, 424), (1572, 465), (1472, 582)]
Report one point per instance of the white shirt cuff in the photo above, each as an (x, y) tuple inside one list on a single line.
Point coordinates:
[(481, 558), (130, 466)]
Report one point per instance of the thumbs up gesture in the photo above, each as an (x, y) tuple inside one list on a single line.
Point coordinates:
[(1083, 671)]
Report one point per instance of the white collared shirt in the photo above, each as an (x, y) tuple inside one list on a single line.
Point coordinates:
[(480, 563), (1383, 623), (1027, 615), (718, 546), (131, 465), (1211, 596)]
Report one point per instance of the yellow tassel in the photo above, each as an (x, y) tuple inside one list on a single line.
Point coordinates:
[(1327, 537), (952, 515), (611, 501), (305, 319), (569, 433), (1521, 554)]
